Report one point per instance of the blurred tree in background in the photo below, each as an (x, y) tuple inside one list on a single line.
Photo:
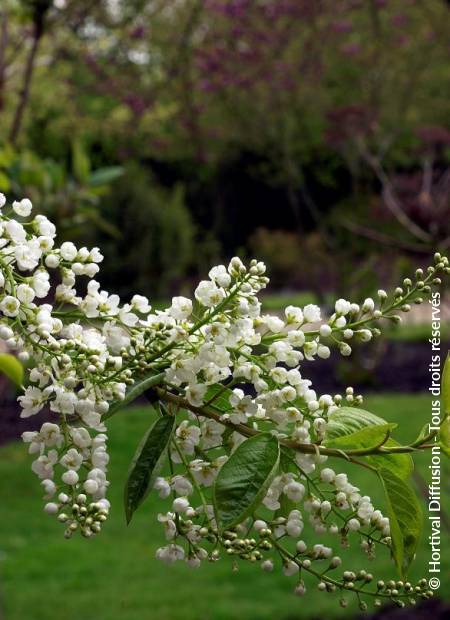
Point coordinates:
[(188, 130)]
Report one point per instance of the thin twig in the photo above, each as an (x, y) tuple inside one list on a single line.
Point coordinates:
[(38, 31), (304, 448)]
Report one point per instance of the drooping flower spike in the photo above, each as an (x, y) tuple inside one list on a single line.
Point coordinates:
[(243, 449)]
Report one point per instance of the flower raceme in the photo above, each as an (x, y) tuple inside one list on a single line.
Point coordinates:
[(244, 451)]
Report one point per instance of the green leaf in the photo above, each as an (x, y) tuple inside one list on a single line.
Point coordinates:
[(444, 432), (445, 386), (401, 464), (221, 397), (5, 183), (445, 449), (244, 479), (136, 390), (368, 437), (347, 420), (424, 432), (147, 463), (12, 368), (405, 517), (81, 165), (103, 176)]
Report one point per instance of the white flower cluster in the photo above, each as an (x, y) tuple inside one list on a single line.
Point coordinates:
[(226, 370)]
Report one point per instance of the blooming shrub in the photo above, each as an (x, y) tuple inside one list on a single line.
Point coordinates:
[(243, 449)]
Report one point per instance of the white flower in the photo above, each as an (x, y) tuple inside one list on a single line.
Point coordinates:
[(342, 306), (300, 589), (181, 308), (340, 322), (323, 352), (325, 330), (51, 508), (27, 255), (368, 305), (243, 406), (6, 332), (140, 303), (180, 504), (220, 276), (10, 306), (162, 486), (274, 323), (90, 486), (353, 525), (296, 338), (327, 475), (290, 568), (170, 528), (341, 481), (170, 554), (126, 317), (365, 510), (259, 525), (80, 437), (205, 472), (50, 434), (70, 477), (25, 293), (15, 231), (301, 546), (41, 283), (68, 251), (267, 566), (305, 462), (294, 315), (49, 488), (294, 527), (195, 393), (52, 261), (193, 562), (32, 437), (44, 226), (64, 402), (188, 437), (345, 349), (212, 432), (2, 200), (45, 243), (91, 270), (72, 459), (22, 207), (95, 255), (43, 466), (116, 337), (294, 491), (181, 485), (271, 499), (320, 551), (100, 458), (311, 313), (365, 335), (31, 401), (208, 294)]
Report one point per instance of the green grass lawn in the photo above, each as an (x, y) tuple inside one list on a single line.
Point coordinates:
[(44, 577)]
